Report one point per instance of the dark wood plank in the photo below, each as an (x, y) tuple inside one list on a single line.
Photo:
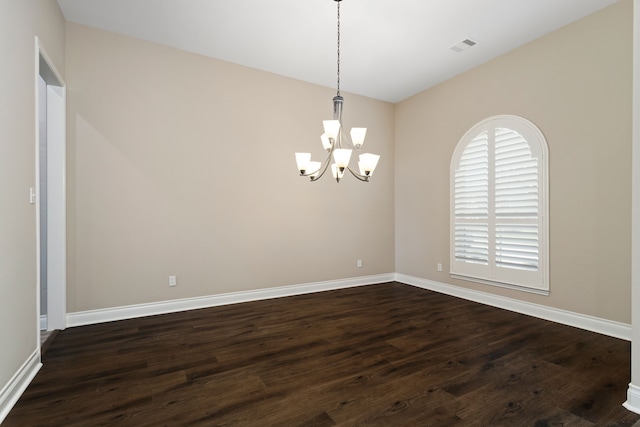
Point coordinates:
[(383, 355)]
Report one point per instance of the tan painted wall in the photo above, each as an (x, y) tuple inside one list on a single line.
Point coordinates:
[(20, 22), (160, 143), (575, 84), (184, 165)]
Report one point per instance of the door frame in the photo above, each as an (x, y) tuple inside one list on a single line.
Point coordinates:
[(56, 191)]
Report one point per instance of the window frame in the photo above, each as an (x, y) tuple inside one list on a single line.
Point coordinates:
[(491, 274)]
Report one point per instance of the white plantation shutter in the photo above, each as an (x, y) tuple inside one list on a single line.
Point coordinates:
[(498, 204), (516, 202), (472, 243), (471, 205)]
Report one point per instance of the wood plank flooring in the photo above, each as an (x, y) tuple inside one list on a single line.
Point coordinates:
[(380, 355)]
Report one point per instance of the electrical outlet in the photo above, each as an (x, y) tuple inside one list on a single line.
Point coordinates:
[(359, 263), (439, 266), (172, 281)]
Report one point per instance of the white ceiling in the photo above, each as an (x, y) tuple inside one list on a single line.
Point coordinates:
[(391, 49)]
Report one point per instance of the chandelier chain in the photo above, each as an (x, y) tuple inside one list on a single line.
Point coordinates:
[(338, 63)]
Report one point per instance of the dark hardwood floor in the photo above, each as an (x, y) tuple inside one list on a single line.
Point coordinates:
[(382, 355)]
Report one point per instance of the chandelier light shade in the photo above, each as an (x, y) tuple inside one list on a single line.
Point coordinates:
[(338, 145)]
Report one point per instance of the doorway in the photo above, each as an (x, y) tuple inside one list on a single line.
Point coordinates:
[(50, 194)]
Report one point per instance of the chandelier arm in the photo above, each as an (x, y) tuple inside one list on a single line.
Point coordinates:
[(357, 175), (324, 168), (347, 139)]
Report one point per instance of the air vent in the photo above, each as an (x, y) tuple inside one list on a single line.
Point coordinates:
[(463, 45)]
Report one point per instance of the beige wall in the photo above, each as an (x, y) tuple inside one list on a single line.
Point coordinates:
[(20, 22), (575, 84), (184, 165)]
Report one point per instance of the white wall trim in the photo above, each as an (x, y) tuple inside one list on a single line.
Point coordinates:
[(140, 310), (633, 399), (18, 384), (589, 323), (56, 102), (582, 321), (633, 393)]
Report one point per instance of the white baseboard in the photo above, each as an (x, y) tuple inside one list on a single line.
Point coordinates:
[(633, 399), (582, 321), (43, 322), (140, 310), (11, 392), (590, 323)]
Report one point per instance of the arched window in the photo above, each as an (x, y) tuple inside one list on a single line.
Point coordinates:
[(499, 212)]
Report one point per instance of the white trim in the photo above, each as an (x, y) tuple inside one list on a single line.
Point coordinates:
[(582, 321), (56, 208), (140, 310), (18, 384), (500, 285), (36, 200), (56, 181), (633, 399), (633, 393), (55, 74), (43, 322)]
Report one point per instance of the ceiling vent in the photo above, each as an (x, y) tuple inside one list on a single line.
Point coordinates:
[(463, 45)]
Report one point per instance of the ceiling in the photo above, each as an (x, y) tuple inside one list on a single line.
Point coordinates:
[(390, 50)]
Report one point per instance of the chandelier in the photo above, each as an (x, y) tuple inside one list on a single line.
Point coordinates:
[(338, 144)]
